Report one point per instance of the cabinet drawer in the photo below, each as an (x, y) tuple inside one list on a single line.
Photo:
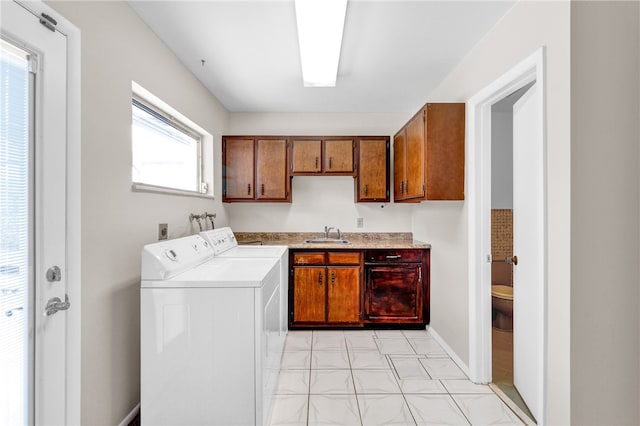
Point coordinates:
[(343, 258), (393, 256), (308, 258)]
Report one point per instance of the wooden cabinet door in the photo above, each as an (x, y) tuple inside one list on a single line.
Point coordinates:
[(238, 172), (338, 156), (271, 170), (309, 294), (373, 172), (399, 166), (394, 293), (307, 156), (343, 294), (445, 151), (415, 154)]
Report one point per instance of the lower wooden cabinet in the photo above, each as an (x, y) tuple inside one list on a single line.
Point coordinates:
[(329, 288), (396, 286), (325, 289)]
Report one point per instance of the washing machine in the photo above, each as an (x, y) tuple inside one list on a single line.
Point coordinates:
[(204, 335), (225, 245)]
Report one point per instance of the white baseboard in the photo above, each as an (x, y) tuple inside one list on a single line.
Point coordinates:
[(464, 367), (130, 416)]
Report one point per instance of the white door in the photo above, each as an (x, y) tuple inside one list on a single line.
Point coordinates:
[(33, 223), (528, 246)]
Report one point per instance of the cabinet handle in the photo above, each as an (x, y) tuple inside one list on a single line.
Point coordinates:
[(393, 256), (248, 189), (420, 274), (333, 277), (262, 189), (366, 189), (320, 278), (316, 162), (330, 162)]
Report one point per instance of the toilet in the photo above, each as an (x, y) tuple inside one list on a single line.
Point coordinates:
[(502, 306)]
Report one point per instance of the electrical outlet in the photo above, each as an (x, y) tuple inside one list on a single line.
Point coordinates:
[(163, 231), (360, 222)]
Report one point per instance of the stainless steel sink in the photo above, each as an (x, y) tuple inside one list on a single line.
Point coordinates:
[(327, 241)]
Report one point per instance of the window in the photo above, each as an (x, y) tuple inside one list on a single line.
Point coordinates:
[(167, 149)]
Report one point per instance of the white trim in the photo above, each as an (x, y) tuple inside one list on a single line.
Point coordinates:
[(464, 367), (74, 218), (132, 415), (478, 160)]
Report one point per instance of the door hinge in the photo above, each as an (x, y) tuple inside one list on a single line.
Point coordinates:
[(488, 258), (48, 22), (33, 64)]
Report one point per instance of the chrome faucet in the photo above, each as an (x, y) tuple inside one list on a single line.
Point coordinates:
[(328, 229)]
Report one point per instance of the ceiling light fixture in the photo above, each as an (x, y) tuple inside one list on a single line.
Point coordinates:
[(320, 26)]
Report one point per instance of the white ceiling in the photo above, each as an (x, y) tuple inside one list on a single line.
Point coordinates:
[(393, 52)]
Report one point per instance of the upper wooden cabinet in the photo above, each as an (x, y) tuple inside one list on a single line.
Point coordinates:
[(429, 155), (372, 179), (238, 155), (338, 156), (325, 155), (306, 156), (255, 169)]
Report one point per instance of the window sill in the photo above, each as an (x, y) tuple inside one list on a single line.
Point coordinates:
[(143, 187)]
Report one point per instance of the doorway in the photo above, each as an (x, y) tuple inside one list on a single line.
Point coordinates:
[(502, 252), (39, 212), (529, 229)]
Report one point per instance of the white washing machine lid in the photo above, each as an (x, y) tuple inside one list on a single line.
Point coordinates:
[(220, 273), (254, 251)]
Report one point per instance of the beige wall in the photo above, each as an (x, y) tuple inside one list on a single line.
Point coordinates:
[(117, 47), (524, 29), (319, 200), (605, 207)]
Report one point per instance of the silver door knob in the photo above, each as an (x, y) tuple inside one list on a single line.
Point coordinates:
[(55, 304), (511, 260)]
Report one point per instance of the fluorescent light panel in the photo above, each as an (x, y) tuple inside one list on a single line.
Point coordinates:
[(320, 26)]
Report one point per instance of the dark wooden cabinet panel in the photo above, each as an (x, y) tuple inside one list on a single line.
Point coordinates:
[(394, 293), (445, 146), (238, 171), (372, 181), (343, 294), (397, 286), (399, 165), (309, 296), (414, 182)]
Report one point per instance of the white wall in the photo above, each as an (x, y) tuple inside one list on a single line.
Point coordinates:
[(605, 205), (524, 29), (117, 47), (319, 200)]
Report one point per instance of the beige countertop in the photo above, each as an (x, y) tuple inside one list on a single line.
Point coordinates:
[(362, 240)]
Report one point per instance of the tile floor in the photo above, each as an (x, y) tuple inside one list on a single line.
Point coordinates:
[(379, 377)]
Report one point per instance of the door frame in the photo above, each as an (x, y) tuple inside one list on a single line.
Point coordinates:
[(479, 216), (73, 205)]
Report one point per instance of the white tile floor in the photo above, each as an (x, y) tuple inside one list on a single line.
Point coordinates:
[(379, 377)]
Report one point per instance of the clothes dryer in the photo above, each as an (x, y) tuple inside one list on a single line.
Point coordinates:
[(204, 332)]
